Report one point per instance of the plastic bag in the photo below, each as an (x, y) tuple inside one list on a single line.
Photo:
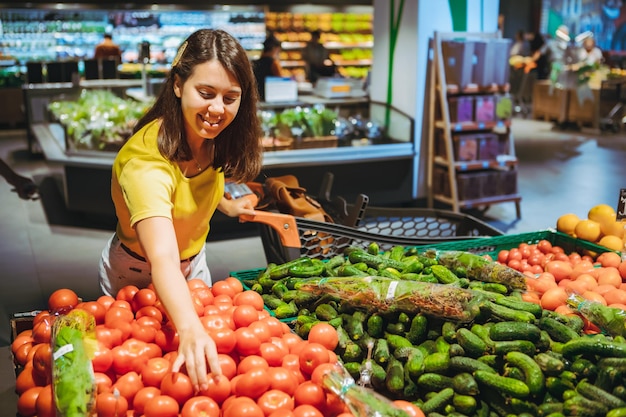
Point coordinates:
[(610, 320), (73, 381), (388, 295)]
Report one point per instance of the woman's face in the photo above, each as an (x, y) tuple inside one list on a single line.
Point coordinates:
[(210, 100)]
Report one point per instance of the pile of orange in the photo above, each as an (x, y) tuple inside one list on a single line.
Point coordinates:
[(601, 226)]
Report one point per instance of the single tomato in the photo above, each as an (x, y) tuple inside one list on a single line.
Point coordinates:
[(242, 407), (247, 341), (310, 393), (306, 410), (282, 379), (250, 298), (200, 406), (219, 388), (155, 370), (161, 406), (273, 400), (127, 293), (27, 402), (109, 404), (244, 315), (45, 404), (312, 355), (253, 383), (142, 397), (324, 334), (411, 409), (128, 385), (63, 299), (178, 386)]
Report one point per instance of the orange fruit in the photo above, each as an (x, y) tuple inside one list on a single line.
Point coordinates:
[(567, 223), (601, 213), (612, 242), (588, 230), (609, 276), (609, 259), (613, 228)]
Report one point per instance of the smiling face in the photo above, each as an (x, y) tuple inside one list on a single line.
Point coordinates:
[(210, 100)]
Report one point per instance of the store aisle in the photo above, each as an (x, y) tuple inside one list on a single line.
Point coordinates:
[(45, 247)]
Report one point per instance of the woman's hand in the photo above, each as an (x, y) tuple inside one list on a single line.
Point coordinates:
[(236, 207), (195, 350)]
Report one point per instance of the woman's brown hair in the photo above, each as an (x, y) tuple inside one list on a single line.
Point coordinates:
[(238, 149)]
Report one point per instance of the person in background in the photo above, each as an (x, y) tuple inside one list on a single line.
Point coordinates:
[(25, 187), (268, 64), (590, 53), (540, 57), (317, 59), (168, 180), (520, 45), (107, 49)]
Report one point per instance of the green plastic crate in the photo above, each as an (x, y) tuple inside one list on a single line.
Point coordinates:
[(492, 245)]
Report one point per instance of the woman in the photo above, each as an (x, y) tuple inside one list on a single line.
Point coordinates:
[(168, 180)]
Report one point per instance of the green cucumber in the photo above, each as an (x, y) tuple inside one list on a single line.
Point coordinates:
[(534, 377), (395, 377), (549, 363), (502, 384), (592, 392), (443, 274), (418, 329), (464, 383), (282, 270), (325, 312), (515, 304), (473, 345), (558, 331), (594, 346), (505, 346), (471, 365), (514, 330), (381, 351), (438, 401), (375, 325), (431, 381), (438, 362), (503, 313)]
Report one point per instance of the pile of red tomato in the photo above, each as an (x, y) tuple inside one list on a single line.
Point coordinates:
[(267, 370)]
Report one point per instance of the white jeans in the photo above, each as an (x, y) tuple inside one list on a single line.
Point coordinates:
[(118, 268)]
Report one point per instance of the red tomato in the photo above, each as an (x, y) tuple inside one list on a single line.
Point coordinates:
[(274, 325), (261, 330), (142, 397), (110, 405), (62, 299), (306, 410), (225, 339), (235, 284), (132, 355), (247, 342), (96, 309), (161, 406), (24, 337), (223, 288), (219, 388), (42, 360), (127, 293), (411, 409), (253, 383), (45, 404), (148, 320), (312, 355), (178, 386), (244, 315), (42, 330), (22, 352), (282, 379), (143, 298), (128, 385), (103, 382), (167, 338), (27, 402), (102, 358), (282, 413), (273, 400), (292, 340), (27, 379), (227, 365), (250, 298), (203, 294), (272, 353), (200, 406), (324, 334), (141, 332), (108, 336), (124, 326), (195, 283), (105, 300), (118, 313), (250, 362), (150, 311), (318, 374), (310, 393), (242, 407), (155, 370)]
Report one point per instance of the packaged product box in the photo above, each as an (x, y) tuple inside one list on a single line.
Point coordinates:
[(461, 109), (483, 69), (488, 146), (466, 147), (507, 183), (458, 58), (485, 109), (500, 63)]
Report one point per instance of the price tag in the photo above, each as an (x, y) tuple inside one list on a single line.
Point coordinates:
[(485, 164), (463, 167), (621, 205), (458, 127), (481, 125)]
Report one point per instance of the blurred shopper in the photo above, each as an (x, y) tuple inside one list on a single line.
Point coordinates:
[(521, 46), (317, 59), (107, 49), (268, 64), (24, 187), (591, 54)]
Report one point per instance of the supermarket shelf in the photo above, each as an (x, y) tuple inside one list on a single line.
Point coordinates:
[(497, 126), (479, 202), (477, 165)]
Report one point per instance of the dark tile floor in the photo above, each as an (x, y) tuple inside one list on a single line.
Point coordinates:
[(45, 247)]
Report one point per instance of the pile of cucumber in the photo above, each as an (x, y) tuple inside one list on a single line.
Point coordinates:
[(513, 359)]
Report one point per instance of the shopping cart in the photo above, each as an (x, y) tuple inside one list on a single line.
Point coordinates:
[(286, 237)]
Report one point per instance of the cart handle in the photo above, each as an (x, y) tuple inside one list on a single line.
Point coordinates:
[(284, 224)]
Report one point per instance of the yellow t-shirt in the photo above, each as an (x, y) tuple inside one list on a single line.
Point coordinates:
[(146, 184)]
